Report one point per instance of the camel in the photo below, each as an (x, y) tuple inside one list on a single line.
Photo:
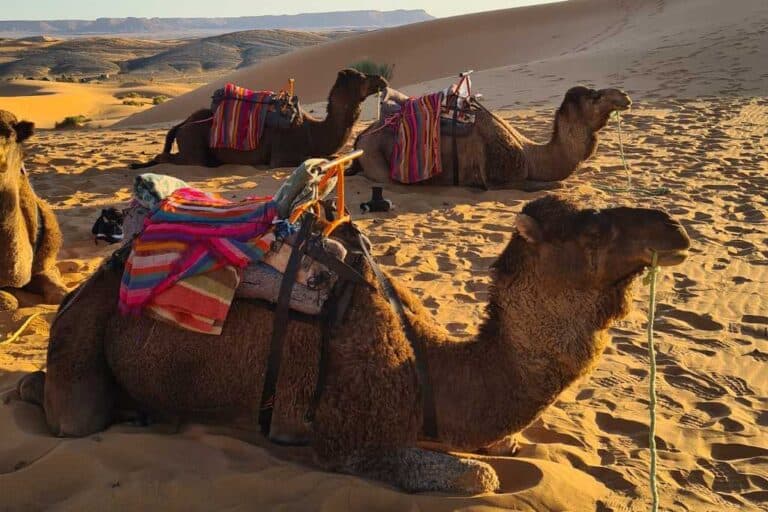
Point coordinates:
[(288, 147), (495, 155), (561, 281), (29, 234)]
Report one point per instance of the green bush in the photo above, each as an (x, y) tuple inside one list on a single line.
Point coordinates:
[(133, 103), (370, 67), (160, 99), (72, 122)]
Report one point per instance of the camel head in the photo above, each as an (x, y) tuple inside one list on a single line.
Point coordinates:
[(573, 248), (593, 106), (355, 86), (12, 133)]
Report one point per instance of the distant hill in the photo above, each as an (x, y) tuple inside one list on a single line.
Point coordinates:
[(94, 57), (226, 52), (85, 57), (155, 28)]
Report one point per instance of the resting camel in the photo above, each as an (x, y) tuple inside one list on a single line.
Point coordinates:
[(558, 285), (29, 234), (495, 155), (278, 147)]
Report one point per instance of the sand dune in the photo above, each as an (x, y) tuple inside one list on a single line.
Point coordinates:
[(46, 103), (698, 128), (534, 53)]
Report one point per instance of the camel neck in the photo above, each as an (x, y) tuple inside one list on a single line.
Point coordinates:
[(335, 129), (571, 144), (533, 344)]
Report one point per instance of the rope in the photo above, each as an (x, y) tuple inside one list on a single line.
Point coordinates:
[(14, 336), (650, 279), (629, 188)]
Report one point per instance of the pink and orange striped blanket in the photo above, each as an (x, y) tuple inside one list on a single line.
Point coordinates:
[(187, 262), (416, 154), (239, 119)]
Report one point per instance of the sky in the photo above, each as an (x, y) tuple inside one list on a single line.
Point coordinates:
[(90, 9)]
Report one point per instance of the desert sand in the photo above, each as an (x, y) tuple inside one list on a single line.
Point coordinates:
[(698, 128)]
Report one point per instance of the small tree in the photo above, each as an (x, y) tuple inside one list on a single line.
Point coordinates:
[(370, 67)]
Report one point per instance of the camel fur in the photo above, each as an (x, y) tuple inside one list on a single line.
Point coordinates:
[(309, 138), (29, 233), (558, 285), (495, 155)]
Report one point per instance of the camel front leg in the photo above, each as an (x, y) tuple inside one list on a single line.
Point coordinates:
[(48, 284), (417, 470), (505, 447)]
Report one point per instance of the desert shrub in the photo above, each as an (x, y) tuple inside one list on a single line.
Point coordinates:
[(132, 94), (160, 99), (72, 122), (370, 67), (133, 103)]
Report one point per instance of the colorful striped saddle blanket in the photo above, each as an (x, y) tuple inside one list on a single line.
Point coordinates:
[(240, 115), (192, 252), (416, 153), (189, 257)]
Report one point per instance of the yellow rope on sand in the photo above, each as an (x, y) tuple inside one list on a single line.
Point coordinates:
[(650, 280), (629, 188), (14, 336)]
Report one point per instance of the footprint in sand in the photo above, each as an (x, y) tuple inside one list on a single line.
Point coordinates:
[(702, 322), (701, 386)]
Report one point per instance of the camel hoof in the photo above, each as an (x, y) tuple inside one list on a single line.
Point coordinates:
[(56, 295), (507, 447), (8, 302), (479, 478), (31, 388)]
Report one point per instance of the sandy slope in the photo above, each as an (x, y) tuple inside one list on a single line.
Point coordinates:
[(46, 103), (588, 451), (532, 53)]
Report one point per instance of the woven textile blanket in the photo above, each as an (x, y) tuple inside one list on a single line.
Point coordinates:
[(238, 122), (186, 264), (416, 154)]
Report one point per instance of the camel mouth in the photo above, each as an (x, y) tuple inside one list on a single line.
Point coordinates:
[(669, 258), (623, 104)]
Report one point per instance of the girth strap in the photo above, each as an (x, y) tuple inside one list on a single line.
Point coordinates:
[(280, 325), (429, 411), (455, 147)]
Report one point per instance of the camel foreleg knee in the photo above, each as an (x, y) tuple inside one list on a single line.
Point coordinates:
[(416, 469)]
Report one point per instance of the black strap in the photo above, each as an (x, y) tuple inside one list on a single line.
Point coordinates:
[(429, 425), (280, 325), (455, 147), (344, 271)]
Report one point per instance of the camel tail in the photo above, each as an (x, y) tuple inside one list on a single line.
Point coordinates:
[(170, 138)]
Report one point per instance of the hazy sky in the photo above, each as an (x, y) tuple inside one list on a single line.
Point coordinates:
[(89, 9)]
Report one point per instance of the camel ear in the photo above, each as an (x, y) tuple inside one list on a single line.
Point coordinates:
[(24, 130), (529, 228)]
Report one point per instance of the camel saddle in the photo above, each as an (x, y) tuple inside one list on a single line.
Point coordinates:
[(282, 110)]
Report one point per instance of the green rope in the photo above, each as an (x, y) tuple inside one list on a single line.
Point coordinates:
[(650, 279), (629, 188)]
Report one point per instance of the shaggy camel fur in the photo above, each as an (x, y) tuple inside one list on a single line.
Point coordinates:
[(495, 155), (29, 234), (278, 147), (558, 285)]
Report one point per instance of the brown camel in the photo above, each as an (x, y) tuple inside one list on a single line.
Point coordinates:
[(278, 147), (495, 155), (29, 234), (561, 281)]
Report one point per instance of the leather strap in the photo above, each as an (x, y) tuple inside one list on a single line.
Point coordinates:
[(280, 325), (455, 146), (429, 411)]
